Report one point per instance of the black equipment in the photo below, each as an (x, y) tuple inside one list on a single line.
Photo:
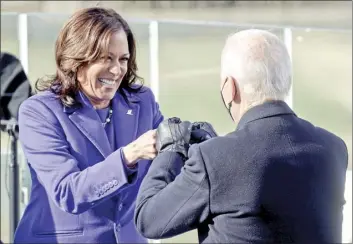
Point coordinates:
[(15, 88)]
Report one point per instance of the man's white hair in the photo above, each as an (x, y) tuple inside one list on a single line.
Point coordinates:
[(260, 63)]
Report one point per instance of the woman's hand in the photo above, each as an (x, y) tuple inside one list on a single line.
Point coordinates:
[(143, 147)]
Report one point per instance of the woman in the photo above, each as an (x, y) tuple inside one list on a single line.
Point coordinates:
[(88, 136)]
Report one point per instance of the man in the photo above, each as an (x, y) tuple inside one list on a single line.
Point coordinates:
[(275, 179)]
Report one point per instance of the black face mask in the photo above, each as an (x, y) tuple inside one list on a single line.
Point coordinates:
[(229, 104)]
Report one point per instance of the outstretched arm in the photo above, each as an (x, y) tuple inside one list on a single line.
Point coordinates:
[(173, 197)]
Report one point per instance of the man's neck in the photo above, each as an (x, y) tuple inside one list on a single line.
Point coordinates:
[(247, 105)]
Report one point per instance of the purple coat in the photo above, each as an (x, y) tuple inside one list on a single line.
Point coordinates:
[(81, 190)]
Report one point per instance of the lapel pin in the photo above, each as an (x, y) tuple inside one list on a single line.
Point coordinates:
[(129, 112)]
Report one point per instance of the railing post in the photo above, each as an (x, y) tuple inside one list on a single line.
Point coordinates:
[(154, 57), (23, 41), (154, 67), (288, 41)]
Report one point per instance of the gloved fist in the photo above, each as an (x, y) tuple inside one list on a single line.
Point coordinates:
[(174, 135), (201, 131)]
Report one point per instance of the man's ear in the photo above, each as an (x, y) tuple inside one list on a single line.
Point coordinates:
[(234, 87)]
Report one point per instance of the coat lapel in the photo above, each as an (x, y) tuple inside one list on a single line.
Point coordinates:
[(125, 121), (125, 118), (88, 122)]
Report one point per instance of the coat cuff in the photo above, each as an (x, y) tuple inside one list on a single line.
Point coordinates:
[(128, 170)]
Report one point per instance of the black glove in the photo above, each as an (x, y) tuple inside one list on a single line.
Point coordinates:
[(201, 131), (174, 135)]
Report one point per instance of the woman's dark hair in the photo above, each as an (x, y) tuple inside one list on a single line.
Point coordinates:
[(84, 39)]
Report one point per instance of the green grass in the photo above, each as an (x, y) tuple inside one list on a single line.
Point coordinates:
[(189, 74)]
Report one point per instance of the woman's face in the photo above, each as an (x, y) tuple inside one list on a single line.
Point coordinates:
[(101, 79)]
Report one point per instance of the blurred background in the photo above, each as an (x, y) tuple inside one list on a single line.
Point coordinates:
[(179, 45)]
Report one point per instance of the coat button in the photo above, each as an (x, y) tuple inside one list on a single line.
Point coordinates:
[(118, 228), (120, 206)]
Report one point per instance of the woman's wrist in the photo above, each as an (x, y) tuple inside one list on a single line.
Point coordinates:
[(130, 155)]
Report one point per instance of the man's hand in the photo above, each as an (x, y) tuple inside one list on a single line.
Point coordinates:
[(174, 135), (201, 131)]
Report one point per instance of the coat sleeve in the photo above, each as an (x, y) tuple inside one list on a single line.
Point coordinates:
[(173, 198), (47, 151), (157, 115)]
